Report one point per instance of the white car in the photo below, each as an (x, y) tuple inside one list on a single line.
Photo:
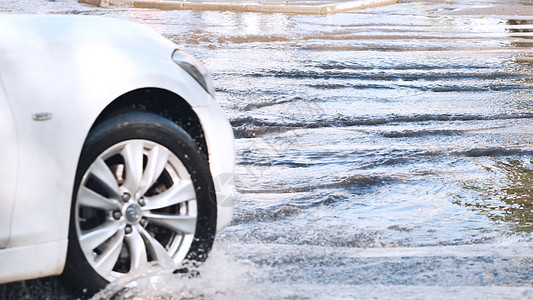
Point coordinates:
[(114, 153)]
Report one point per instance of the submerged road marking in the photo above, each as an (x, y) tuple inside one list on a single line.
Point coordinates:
[(477, 250)]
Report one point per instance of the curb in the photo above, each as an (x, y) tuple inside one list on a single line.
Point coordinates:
[(250, 7)]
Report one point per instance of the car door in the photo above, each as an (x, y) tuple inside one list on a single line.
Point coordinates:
[(8, 166)]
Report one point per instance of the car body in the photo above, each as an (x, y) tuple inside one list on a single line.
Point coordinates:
[(60, 78)]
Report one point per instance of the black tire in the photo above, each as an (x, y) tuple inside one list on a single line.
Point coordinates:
[(153, 129)]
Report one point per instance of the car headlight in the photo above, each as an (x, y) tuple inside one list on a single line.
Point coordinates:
[(196, 69)]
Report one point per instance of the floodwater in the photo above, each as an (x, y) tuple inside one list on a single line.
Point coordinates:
[(382, 153)]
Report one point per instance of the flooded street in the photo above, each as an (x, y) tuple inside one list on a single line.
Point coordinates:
[(382, 153)]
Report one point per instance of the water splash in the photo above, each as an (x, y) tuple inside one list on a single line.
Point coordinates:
[(220, 277)]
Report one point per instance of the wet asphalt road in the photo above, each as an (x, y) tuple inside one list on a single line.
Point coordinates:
[(382, 154)]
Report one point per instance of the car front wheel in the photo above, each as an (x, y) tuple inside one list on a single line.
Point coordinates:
[(143, 195)]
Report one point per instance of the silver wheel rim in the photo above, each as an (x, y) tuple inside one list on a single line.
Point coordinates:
[(136, 204)]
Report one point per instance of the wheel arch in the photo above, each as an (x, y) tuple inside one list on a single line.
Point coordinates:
[(160, 102)]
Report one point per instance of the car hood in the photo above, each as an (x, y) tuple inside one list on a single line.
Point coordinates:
[(19, 32)]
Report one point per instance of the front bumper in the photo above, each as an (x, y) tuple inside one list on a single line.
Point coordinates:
[(221, 148)]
